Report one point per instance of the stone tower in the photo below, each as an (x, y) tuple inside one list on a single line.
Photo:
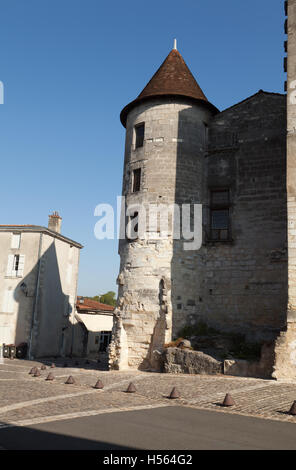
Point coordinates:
[(166, 138), (285, 350)]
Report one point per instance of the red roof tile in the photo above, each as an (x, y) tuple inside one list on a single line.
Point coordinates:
[(173, 78), (89, 304)]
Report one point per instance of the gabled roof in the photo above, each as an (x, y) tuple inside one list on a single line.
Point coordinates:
[(38, 229), (173, 78), (260, 92)]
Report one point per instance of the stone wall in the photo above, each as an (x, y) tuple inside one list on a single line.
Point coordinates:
[(285, 357), (245, 281), (171, 162), (238, 285)]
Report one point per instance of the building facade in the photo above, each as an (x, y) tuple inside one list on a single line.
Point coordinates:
[(180, 149), (38, 284)]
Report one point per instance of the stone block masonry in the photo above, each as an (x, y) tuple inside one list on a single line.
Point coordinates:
[(241, 279)]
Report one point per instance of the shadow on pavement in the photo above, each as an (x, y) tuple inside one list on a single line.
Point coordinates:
[(22, 438)]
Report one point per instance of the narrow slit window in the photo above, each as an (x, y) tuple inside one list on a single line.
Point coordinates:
[(136, 180), (140, 131)]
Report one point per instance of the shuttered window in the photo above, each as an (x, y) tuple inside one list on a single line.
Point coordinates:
[(16, 240), (8, 301), (21, 266), (15, 265), (10, 265)]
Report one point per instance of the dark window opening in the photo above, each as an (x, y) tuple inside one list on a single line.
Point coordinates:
[(140, 131), (136, 180), (220, 215), (105, 339), (16, 262)]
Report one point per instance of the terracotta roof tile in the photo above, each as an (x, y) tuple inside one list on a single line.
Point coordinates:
[(173, 78), (89, 304)]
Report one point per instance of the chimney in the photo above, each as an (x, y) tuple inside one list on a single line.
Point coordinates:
[(55, 222)]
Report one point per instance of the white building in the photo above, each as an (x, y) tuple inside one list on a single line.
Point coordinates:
[(38, 285)]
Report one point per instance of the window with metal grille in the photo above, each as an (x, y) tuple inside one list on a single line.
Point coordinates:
[(136, 180), (140, 131), (220, 215)]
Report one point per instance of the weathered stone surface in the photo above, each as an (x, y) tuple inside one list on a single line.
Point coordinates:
[(180, 361), (285, 347), (243, 368), (185, 344), (238, 285), (262, 368)]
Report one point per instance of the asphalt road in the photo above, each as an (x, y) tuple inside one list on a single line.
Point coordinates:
[(176, 428)]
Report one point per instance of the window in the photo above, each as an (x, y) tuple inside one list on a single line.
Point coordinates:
[(220, 215), (16, 262), (15, 240), (136, 180), (140, 131), (105, 339), (15, 265)]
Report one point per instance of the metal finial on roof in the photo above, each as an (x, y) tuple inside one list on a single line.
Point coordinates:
[(175, 44)]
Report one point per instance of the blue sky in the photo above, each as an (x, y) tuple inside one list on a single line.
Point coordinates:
[(70, 66)]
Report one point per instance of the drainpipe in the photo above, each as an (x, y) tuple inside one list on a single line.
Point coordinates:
[(74, 306), (34, 313)]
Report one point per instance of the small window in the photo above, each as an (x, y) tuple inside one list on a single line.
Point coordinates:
[(140, 131), (220, 215), (136, 180), (15, 266)]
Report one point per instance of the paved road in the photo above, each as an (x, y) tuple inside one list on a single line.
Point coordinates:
[(40, 414), (175, 428)]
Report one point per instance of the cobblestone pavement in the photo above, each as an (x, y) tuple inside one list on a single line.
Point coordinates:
[(26, 400)]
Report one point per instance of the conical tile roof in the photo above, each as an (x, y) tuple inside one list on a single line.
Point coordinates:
[(173, 78)]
